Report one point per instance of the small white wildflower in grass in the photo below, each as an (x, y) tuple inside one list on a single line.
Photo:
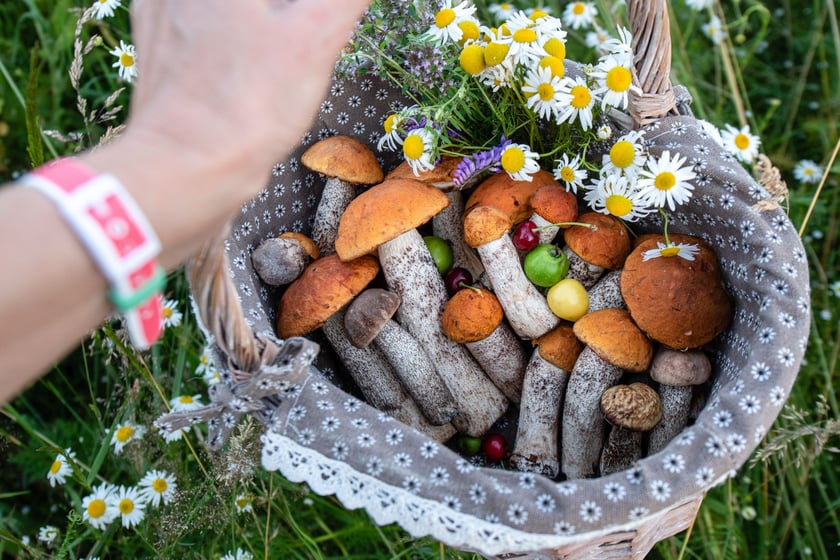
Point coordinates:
[(391, 139), (131, 506), (238, 554), (105, 8), (665, 181), (520, 162), (699, 5), (580, 15), (99, 508), (243, 503), (569, 172), (207, 368), (186, 402), (446, 28), (807, 171), (172, 317), (614, 194), (125, 433), (683, 250), (825, 315), (626, 156), (418, 147), (604, 132), (60, 468), (174, 435), (748, 513), (577, 102), (48, 534), (740, 142), (615, 81), (834, 287), (713, 29), (598, 40), (126, 61), (543, 91), (158, 487), (501, 11)]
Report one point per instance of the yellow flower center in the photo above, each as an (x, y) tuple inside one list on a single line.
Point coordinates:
[(581, 97), (167, 312), (558, 69), (413, 147), (124, 434), (444, 17), (567, 174), (126, 60), (470, 31), (665, 181), (495, 53), (390, 126), (159, 485), (126, 506), (525, 35), (742, 141), (619, 79), (669, 251), (537, 14), (96, 509), (622, 154), (185, 399), (546, 92), (808, 171), (242, 502), (472, 59), (513, 160), (56, 466), (555, 47), (578, 8), (618, 205)]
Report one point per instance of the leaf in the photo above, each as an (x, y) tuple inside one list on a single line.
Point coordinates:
[(34, 142)]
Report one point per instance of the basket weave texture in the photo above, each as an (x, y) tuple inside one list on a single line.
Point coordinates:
[(319, 432)]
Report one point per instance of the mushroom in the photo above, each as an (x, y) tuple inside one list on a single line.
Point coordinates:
[(473, 317), (632, 410), (614, 344), (384, 219), (509, 195), (552, 204), (280, 260), (546, 376), (606, 293), (346, 162), (486, 228), (676, 372), (592, 249), (368, 320)]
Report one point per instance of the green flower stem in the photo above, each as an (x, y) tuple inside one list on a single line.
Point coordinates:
[(593, 227)]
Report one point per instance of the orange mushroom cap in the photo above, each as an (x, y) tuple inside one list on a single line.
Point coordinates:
[(471, 315), (508, 195), (560, 346), (555, 204), (606, 246), (440, 176), (615, 338), (344, 157)]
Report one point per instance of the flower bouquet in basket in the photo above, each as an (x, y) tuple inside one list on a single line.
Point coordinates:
[(553, 308)]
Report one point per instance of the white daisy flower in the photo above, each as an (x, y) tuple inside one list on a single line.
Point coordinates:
[(99, 508), (580, 15), (520, 162), (60, 468), (554, 43), (243, 503), (126, 61), (834, 288), (577, 102), (131, 506), (807, 171), (621, 47), (543, 91), (186, 402), (683, 250), (125, 433), (238, 554), (105, 8), (615, 194), (713, 29), (171, 316), (418, 147), (711, 131), (570, 173), (699, 5), (446, 28), (501, 11), (615, 81), (598, 41), (158, 487), (626, 157), (170, 436), (524, 39), (664, 181), (604, 132), (740, 142), (48, 534), (392, 138)]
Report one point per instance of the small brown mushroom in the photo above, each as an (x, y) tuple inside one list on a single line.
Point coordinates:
[(346, 162), (632, 410), (593, 249), (677, 373), (552, 205), (368, 320), (280, 260), (614, 344)]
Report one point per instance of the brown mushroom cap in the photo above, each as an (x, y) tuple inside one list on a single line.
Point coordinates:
[(471, 315), (306, 242), (368, 313), (383, 212), (325, 286), (678, 368), (484, 224), (615, 338), (680, 303), (606, 246), (343, 157), (555, 204), (508, 195), (560, 346), (440, 176), (635, 407)]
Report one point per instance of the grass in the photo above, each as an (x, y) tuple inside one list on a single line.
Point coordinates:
[(778, 71)]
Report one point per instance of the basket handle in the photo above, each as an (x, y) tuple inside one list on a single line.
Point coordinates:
[(651, 30)]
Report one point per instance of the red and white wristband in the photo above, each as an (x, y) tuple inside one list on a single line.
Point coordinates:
[(119, 238)]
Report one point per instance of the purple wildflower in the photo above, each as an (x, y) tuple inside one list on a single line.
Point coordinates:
[(471, 166)]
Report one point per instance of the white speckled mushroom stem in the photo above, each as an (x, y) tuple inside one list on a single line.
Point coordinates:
[(622, 449), (411, 273), (502, 358), (410, 415), (417, 373), (336, 196), (582, 271), (676, 407), (368, 367), (447, 225), (525, 307), (548, 234), (584, 426), (536, 446), (606, 293)]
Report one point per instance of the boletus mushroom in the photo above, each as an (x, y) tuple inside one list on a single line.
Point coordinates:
[(632, 410), (600, 245)]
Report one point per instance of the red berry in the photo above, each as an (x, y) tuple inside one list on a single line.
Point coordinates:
[(524, 237), (494, 447), (456, 279)]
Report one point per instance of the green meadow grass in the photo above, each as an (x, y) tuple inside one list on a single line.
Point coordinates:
[(778, 71)]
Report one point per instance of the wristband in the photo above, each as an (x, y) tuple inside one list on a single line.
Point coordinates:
[(118, 237)]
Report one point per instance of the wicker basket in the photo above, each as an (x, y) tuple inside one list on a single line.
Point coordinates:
[(320, 433)]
